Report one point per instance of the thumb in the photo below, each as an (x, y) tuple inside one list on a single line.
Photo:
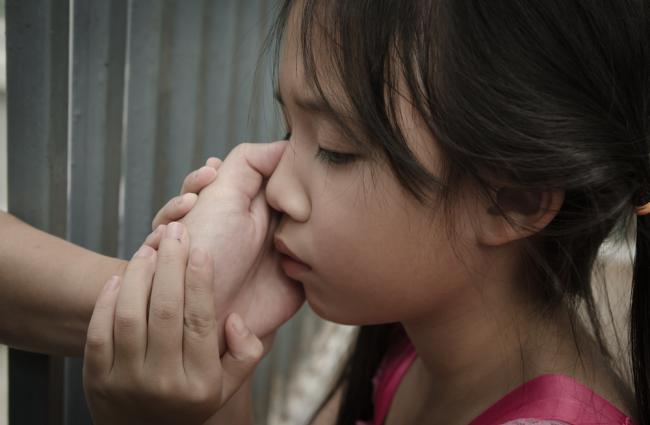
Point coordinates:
[(247, 165), (245, 350)]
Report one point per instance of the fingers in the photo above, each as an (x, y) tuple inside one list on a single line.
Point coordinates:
[(247, 165), (213, 162), (130, 326), (179, 206), (154, 238), (98, 352), (200, 339), (175, 209), (244, 353), (199, 179), (165, 324)]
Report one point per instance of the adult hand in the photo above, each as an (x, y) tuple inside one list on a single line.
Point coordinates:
[(232, 221), (151, 354)]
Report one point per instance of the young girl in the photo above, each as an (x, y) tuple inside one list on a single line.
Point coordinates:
[(452, 170)]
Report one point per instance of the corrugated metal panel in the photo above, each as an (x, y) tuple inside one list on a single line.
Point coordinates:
[(97, 97), (37, 98), (144, 48)]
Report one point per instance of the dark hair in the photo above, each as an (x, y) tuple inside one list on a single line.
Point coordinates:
[(543, 95)]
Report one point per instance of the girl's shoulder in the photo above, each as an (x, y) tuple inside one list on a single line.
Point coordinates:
[(552, 399)]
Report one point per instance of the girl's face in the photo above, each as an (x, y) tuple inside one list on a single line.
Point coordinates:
[(375, 253)]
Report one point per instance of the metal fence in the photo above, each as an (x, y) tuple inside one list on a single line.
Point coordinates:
[(110, 105)]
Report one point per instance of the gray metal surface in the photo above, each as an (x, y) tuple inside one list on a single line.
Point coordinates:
[(37, 99), (97, 78), (145, 25), (98, 59)]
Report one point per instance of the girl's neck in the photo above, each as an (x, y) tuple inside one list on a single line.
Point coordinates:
[(473, 351)]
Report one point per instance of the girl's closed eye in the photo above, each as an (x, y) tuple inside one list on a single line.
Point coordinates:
[(331, 157)]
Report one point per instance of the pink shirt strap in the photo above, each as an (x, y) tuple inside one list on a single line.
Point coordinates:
[(556, 398), (550, 399)]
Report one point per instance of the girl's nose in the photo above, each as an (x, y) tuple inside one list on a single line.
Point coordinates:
[(286, 190)]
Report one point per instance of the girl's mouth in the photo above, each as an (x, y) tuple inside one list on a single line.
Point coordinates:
[(291, 263)]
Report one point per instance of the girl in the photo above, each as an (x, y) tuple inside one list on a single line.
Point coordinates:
[(452, 170)]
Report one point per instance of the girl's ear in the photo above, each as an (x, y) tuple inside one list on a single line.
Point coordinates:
[(526, 213)]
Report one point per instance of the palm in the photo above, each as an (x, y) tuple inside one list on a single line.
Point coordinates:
[(248, 277)]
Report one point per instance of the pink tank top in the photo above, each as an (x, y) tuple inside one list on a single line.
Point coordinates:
[(546, 400)]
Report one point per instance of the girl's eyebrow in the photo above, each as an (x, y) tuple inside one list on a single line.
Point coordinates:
[(310, 105)]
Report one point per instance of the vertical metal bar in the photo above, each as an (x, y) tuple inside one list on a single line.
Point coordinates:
[(245, 50), (216, 79), (178, 96), (143, 65), (37, 99), (99, 43)]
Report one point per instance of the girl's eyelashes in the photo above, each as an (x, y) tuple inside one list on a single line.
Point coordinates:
[(330, 157), (335, 158)]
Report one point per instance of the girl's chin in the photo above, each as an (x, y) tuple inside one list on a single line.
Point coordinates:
[(325, 311)]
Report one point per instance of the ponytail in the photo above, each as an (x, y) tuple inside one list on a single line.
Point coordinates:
[(640, 310)]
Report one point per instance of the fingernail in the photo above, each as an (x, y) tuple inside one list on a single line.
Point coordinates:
[(198, 257), (178, 200), (238, 325), (111, 284), (143, 252), (174, 230), (156, 232)]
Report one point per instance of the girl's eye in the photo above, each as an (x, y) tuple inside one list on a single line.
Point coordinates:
[(330, 157), (335, 158)]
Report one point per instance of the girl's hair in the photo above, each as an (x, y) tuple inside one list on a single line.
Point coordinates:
[(538, 95)]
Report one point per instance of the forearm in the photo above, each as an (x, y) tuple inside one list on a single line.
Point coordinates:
[(48, 288)]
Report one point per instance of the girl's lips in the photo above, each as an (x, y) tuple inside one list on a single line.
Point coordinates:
[(289, 257), (294, 269)]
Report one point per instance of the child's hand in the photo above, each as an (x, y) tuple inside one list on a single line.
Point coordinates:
[(152, 354), (177, 207)]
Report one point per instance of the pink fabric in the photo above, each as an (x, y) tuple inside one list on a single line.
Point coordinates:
[(545, 400), (555, 398), (388, 377)]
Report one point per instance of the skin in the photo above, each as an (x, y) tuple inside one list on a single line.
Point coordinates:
[(48, 286), (377, 256), (138, 365)]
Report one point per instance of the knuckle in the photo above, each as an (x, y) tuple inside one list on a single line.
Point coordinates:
[(125, 321), (243, 148), (166, 310), (164, 388), (96, 340), (203, 394), (197, 323), (168, 255)]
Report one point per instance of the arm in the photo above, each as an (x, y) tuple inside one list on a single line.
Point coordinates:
[(48, 288)]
